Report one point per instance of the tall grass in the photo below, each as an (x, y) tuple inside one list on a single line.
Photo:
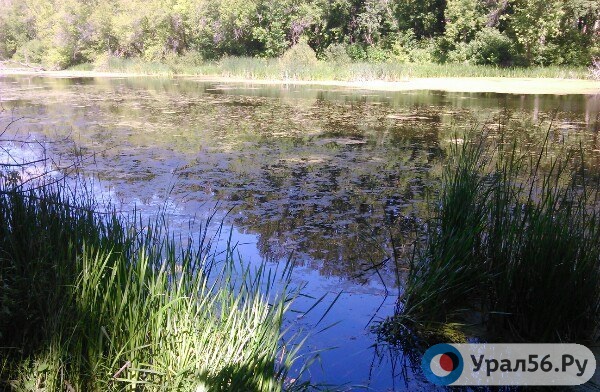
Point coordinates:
[(127, 65), (515, 245), (262, 68), (93, 302)]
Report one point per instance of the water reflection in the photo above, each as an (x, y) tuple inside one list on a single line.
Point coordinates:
[(312, 171)]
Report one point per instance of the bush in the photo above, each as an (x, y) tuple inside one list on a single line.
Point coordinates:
[(190, 58), (489, 47), (336, 54), (400, 46), (57, 58), (424, 52), (103, 62), (570, 49), (377, 54), (50, 56), (370, 53), (13, 33), (400, 54), (356, 52), (31, 53), (298, 60), (459, 54)]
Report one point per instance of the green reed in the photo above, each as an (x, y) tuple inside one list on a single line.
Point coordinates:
[(514, 245), (273, 68), (95, 302)]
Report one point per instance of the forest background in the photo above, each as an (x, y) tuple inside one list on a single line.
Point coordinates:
[(58, 34)]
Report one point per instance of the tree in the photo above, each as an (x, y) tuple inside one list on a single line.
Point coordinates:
[(533, 24), (375, 20), (424, 17), (464, 18)]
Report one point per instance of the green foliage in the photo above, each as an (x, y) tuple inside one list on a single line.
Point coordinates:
[(65, 33), (377, 54), (533, 24), (554, 32), (97, 302), (109, 63), (298, 60), (489, 47), (425, 18), (464, 18), (31, 52), (182, 64), (357, 52), (336, 54), (595, 69), (394, 69), (515, 241), (14, 32), (425, 51), (246, 67), (375, 20), (369, 53)]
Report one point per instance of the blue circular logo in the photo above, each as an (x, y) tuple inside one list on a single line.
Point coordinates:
[(442, 364)]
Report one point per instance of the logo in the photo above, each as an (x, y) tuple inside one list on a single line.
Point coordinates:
[(508, 364), (442, 364)]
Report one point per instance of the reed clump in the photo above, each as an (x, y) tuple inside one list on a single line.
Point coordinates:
[(514, 246), (96, 302)]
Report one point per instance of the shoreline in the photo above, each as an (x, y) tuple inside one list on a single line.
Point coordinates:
[(519, 86)]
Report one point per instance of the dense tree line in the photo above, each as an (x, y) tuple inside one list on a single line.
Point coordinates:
[(60, 33)]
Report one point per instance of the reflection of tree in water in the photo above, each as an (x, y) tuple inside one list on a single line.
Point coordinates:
[(320, 173), (332, 212), (327, 187)]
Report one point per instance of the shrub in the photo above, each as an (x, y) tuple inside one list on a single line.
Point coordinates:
[(298, 60), (424, 52), (440, 48), (460, 53), (336, 54), (356, 52), (31, 53), (57, 58), (490, 47), (400, 54), (102, 62), (377, 54), (13, 33), (191, 58)]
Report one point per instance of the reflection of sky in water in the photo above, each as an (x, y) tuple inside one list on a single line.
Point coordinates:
[(313, 171), (352, 311), (27, 160)]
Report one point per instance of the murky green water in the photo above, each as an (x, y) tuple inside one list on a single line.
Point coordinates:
[(323, 176)]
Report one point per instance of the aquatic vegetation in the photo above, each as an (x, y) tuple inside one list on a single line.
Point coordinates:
[(133, 65), (267, 68), (96, 302), (514, 245)]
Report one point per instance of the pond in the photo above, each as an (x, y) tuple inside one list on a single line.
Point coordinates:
[(324, 177)]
